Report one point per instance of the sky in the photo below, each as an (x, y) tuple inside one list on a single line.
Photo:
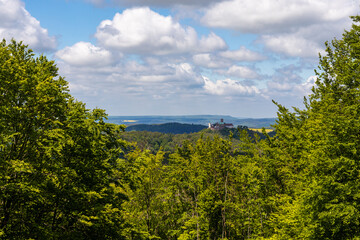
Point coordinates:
[(181, 57)]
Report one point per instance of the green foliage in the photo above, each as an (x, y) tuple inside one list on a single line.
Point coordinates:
[(167, 142), (319, 149), (59, 162), (331, 202), (208, 190)]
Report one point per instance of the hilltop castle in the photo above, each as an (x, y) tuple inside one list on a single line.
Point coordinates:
[(221, 125)]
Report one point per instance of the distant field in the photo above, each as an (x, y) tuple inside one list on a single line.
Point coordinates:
[(267, 130)]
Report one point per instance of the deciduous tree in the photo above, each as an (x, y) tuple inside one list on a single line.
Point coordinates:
[(59, 162)]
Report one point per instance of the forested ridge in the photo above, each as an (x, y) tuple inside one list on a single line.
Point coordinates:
[(65, 173), (168, 142), (173, 127)]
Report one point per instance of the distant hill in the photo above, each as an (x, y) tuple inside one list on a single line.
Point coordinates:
[(174, 128), (154, 141), (193, 119)]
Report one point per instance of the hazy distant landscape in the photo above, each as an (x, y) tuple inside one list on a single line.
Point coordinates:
[(193, 119)]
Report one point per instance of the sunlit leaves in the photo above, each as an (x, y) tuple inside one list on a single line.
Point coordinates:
[(59, 168)]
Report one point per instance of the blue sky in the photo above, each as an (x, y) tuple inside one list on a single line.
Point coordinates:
[(181, 57)]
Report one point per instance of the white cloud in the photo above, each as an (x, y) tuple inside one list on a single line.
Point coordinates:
[(265, 16), (294, 28), (128, 77), (81, 88), (16, 22), (292, 45), (288, 82), (185, 72), (85, 54), (229, 87), (161, 3), (242, 72), (243, 54), (304, 89), (210, 43), (289, 73), (224, 59), (153, 78), (164, 61), (143, 31), (298, 90), (305, 42), (209, 61), (165, 76)]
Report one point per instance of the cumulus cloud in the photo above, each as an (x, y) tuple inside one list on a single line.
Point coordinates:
[(292, 45), (16, 22), (229, 87), (306, 42), (151, 61), (242, 72), (185, 71), (298, 90), (130, 77), (289, 73), (276, 16), (211, 43), (288, 82), (306, 87), (208, 60), (243, 55), (141, 30), (224, 59), (158, 3), (85, 54), (170, 76), (294, 28)]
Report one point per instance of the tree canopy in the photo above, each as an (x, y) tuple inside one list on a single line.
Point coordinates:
[(320, 144), (58, 161)]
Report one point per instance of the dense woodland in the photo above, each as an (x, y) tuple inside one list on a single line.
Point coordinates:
[(168, 142), (67, 174), (172, 127)]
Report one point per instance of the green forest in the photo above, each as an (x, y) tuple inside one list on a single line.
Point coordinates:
[(172, 127), (65, 173)]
